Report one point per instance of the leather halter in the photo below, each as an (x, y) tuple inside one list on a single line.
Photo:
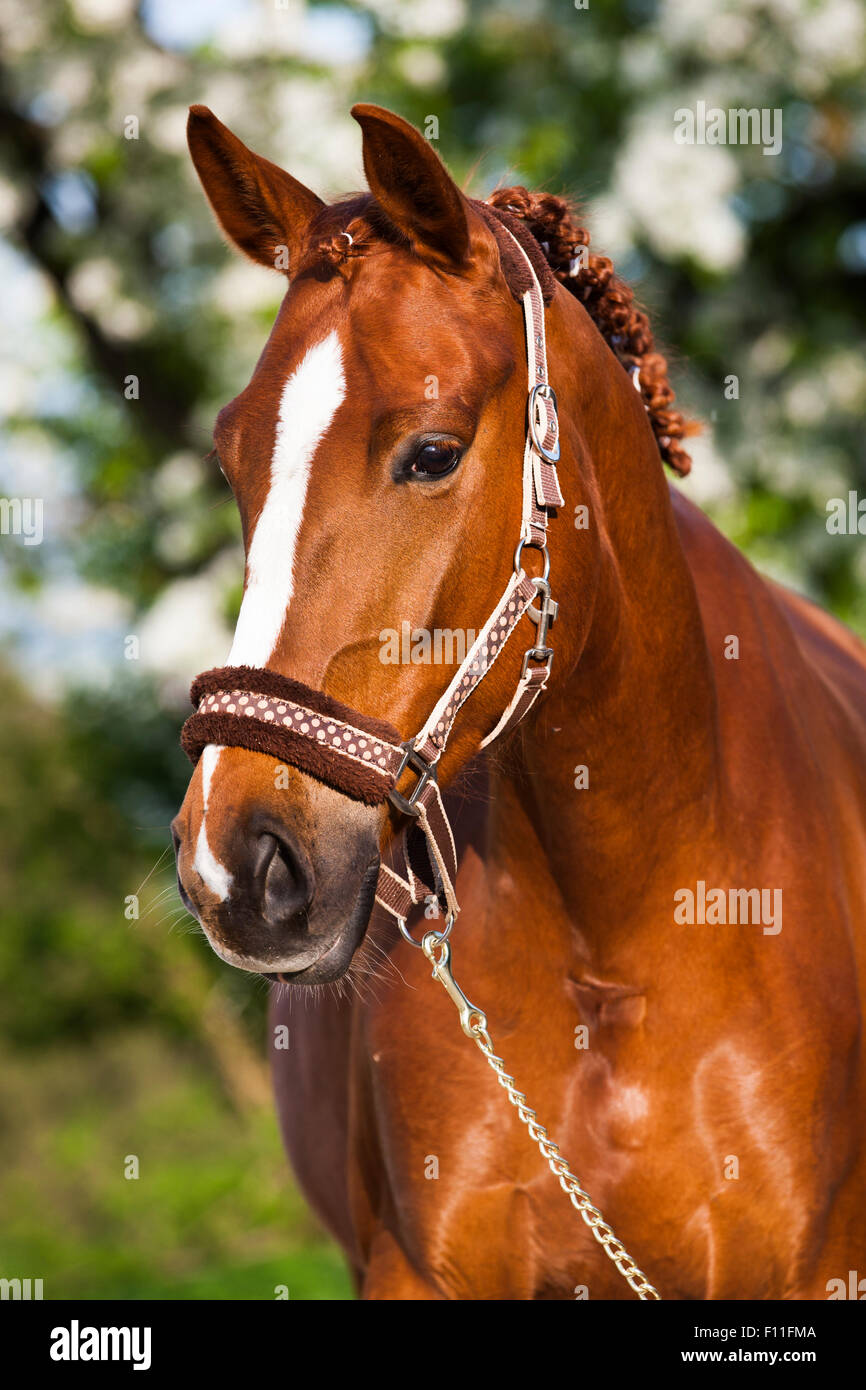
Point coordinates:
[(265, 712)]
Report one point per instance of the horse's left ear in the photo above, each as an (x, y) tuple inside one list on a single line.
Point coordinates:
[(412, 185)]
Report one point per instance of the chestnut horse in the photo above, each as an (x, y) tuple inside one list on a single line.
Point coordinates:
[(662, 871)]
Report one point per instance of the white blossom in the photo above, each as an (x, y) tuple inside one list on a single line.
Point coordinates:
[(677, 196)]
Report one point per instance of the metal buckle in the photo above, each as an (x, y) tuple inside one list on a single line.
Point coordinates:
[(548, 394), (426, 772), (545, 616), (544, 654)]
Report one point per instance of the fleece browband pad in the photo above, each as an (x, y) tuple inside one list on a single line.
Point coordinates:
[(518, 276), (264, 712)]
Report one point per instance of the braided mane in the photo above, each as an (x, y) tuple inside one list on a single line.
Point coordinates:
[(611, 305), (558, 246)]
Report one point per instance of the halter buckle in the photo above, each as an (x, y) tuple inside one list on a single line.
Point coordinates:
[(425, 772), (545, 615), (544, 654), (545, 392)]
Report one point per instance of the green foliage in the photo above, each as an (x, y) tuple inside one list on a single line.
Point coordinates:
[(212, 1213), (121, 1036)]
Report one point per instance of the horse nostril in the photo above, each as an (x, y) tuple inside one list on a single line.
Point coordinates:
[(286, 886)]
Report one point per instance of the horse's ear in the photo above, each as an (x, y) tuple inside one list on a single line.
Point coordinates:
[(260, 207), (412, 185)]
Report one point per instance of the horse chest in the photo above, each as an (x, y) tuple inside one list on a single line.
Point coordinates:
[(462, 1174)]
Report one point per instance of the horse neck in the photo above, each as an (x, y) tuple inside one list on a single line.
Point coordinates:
[(635, 703)]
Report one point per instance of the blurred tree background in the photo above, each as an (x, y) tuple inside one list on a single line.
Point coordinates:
[(128, 324)]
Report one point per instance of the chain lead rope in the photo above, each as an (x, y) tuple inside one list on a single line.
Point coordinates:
[(474, 1025)]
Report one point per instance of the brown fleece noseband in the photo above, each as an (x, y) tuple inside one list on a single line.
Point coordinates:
[(243, 707), (265, 712)]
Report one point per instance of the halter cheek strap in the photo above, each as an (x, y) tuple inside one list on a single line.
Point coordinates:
[(265, 712)]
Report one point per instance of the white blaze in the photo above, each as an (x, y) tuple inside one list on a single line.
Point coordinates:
[(308, 404), (212, 873)]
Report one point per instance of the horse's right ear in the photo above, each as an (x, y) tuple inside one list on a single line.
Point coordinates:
[(260, 207)]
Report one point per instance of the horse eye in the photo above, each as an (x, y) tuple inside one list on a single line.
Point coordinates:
[(435, 459)]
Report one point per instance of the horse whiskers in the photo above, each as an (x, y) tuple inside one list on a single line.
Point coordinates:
[(178, 926), (172, 912), (159, 900), (372, 971), (379, 967), (337, 991), (169, 891), (168, 886), (192, 927), (166, 851), (355, 978)]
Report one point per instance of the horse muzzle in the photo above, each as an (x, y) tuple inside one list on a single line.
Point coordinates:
[(282, 880)]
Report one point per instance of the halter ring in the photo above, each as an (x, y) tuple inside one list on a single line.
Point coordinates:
[(533, 545), (439, 935)]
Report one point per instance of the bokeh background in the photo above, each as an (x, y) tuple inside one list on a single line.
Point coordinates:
[(121, 1034)]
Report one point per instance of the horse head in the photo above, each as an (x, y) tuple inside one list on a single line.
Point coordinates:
[(375, 458)]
